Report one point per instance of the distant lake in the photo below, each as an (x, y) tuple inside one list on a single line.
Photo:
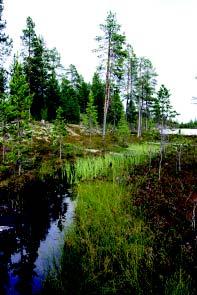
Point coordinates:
[(181, 131)]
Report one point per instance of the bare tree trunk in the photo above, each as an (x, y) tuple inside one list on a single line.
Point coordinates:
[(140, 97), (128, 89), (107, 90), (146, 122), (139, 129)]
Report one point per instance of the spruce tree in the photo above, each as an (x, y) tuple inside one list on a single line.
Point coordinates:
[(80, 87), (123, 131), (19, 92), (59, 130), (69, 102), (20, 100), (52, 96), (98, 92), (162, 108), (90, 118), (115, 109), (40, 65)]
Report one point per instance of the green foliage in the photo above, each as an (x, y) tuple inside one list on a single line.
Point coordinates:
[(40, 66), (59, 130), (108, 247), (190, 124), (178, 284), (69, 102), (80, 87), (52, 96), (130, 79), (20, 97), (5, 41), (162, 108), (98, 92), (90, 118), (115, 109), (111, 165), (112, 53), (123, 132)]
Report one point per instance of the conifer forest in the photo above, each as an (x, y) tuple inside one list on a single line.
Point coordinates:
[(98, 179)]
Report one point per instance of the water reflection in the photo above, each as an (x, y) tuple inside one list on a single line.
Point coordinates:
[(31, 234)]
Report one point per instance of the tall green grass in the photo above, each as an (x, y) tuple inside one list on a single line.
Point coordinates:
[(178, 284), (111, 165), (107, 247)]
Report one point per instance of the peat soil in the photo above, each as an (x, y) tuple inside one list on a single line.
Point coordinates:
[(169, 207)]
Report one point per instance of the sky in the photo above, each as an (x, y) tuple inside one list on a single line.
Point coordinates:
[(165, 31)]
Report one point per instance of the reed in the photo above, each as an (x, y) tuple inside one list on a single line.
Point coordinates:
[(106, 247), (111, 165)]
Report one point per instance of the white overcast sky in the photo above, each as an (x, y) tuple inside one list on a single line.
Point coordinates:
[(165, 31)]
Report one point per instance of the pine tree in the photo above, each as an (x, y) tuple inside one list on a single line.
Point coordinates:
[(130, 84), (5, 107), (144, 91), (5, 41), (5, 50), (40, 65), (112, 56)]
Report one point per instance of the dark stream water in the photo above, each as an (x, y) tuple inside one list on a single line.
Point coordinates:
[(32, 226)]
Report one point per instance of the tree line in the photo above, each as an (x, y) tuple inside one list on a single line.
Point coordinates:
[(122, 90)]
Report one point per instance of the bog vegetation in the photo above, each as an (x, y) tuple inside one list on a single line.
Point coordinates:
[(135, 222)]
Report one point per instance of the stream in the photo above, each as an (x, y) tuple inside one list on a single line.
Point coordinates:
[(32, 227)]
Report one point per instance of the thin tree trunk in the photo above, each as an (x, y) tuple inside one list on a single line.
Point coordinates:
[(146, 122), (3, 148), (139, 130), (140, 97), (128, 89), (107, 90)]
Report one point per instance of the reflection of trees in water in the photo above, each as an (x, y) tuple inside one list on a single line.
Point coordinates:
[(7, 246), (38, 205)]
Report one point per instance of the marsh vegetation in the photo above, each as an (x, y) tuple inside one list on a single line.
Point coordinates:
[(133, 232)]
